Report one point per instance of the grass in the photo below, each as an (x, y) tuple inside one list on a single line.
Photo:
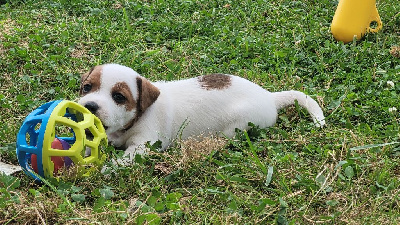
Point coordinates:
[(293, 173)]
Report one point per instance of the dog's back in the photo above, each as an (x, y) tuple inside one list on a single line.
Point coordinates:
[(220, 103), (214, 103)]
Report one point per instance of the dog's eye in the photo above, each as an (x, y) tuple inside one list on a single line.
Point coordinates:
[(86, 88), (118, 98)]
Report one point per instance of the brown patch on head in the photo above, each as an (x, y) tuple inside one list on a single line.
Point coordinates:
[(122, 90), (91, 80), (215, 81), (147, 95), (147, 92)]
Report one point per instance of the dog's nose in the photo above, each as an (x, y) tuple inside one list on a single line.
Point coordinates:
[(92, 106)]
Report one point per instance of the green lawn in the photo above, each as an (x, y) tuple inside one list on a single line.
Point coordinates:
[(293, 173)]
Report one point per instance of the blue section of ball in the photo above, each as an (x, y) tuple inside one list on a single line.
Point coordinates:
[(34, 127)]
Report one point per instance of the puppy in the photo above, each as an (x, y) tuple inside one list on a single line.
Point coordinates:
[(135, 111)]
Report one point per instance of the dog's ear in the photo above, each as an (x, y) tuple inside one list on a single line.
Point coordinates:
[(148, 93)]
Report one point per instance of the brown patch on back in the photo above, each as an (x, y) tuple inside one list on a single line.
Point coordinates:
[(123, 88), (93, 78), (215, 81)]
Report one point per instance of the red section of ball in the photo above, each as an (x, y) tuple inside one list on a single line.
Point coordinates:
[(34, 163), (57, 160)]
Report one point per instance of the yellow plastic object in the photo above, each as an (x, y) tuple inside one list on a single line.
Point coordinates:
[(85, 121), (353, 19)]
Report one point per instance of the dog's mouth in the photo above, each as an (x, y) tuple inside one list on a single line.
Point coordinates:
[(105, 127)]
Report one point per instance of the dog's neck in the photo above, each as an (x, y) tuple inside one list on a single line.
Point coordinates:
[(130, 124)]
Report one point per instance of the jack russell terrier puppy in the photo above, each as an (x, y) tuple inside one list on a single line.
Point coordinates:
[(135, 111)]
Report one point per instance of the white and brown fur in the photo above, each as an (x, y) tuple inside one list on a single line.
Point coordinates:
[(135, 111)]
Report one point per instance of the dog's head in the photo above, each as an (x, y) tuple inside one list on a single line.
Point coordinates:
[(117, 95)]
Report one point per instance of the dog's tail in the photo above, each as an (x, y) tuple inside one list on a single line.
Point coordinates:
[(286, 98)]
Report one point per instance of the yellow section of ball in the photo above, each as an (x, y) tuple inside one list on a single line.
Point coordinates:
[(81, 121)]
